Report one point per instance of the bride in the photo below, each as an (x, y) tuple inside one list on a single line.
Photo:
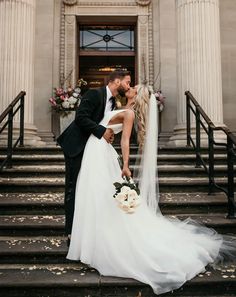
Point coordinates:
[(144, 245)]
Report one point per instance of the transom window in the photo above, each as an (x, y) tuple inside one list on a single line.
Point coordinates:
[(107, 38)]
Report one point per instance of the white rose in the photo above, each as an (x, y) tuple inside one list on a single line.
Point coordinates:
[(135, 203), (120, 197), (72, 100), (75, 95), (66, 104), (132, 195), (125, 189), (161, 107), (77, 90), (125, 206)]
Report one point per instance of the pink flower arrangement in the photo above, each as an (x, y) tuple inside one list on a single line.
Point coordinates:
[(160, 100), (67, 99)]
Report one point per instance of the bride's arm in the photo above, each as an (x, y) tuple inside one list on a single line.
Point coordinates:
[(125, 140)]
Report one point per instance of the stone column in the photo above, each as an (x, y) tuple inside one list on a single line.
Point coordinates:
[(17, 32), (143, 57), (144, 37), (198, 61)]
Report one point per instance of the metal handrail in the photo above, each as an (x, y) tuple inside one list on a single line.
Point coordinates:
[(10, 113), (230, 146)]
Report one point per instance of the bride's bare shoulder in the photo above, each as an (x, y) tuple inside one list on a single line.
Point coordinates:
[(129, 112)]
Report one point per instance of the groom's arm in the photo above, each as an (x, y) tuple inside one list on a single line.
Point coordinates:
[(90, 102)]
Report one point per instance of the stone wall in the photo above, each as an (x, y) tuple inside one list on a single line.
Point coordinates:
[(167, 52)]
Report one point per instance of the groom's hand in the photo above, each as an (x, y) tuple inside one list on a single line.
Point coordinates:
[(109, 135)]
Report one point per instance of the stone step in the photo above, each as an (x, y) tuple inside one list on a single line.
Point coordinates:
[(184, 203), (59, 170), (33, 203), (58, 159), (53, 203), (56, 184), (33, 250), (25, 250), (22, 225), (76, 279), (57, 150)]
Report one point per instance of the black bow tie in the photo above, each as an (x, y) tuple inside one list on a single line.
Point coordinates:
[(113, 102)]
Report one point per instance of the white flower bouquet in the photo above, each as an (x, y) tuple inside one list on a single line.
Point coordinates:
[(127, 195)]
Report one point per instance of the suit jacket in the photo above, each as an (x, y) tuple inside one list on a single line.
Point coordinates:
[(88, 115)]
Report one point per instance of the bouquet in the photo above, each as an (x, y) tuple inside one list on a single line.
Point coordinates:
[(127, 195), (160, 100), (67, 99)]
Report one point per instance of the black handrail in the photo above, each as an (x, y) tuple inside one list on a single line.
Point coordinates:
[(10, 113), (230, 146)]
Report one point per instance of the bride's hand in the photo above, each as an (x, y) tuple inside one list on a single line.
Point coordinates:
[(126, 172)]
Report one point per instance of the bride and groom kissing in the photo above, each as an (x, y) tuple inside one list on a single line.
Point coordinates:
[(144, 245)]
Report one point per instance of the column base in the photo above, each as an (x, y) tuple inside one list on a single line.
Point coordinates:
[(179, 137), (47, 137), (31, 137), (163, 139)]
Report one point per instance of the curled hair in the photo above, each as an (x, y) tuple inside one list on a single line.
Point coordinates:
[(141, 110)]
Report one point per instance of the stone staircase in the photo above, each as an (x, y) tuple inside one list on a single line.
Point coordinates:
[(33, 248)]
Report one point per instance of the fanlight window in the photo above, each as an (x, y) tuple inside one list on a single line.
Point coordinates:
[(107, 38)]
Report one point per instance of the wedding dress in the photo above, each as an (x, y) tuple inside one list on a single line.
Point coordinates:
[(153, 249)]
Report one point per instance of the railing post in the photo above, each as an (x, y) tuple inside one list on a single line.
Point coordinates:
[(198, 139), (230, 172), (188, 119), (211, 174), (22, 103), (10, 136)]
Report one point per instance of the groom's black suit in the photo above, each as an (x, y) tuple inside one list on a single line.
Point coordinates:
[(73, 140)]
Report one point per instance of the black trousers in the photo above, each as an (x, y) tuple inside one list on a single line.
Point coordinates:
[(72, 167)]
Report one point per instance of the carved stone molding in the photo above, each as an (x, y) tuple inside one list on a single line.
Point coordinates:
[(181, 3), (70, 2), (143, 19), (150, 46), (100, 3), (62, 45), (143, 2), (69, 19)]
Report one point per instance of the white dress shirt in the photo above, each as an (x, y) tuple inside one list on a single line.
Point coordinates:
[(108, 102)]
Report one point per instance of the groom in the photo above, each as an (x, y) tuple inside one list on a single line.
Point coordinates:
[(94, 104)]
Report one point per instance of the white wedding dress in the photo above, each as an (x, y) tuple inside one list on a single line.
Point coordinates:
[(153, 249)]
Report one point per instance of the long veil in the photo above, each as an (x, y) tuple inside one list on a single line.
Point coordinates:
[(146, 167), (147, 174)]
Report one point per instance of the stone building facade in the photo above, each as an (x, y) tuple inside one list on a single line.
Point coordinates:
[(177, 45)]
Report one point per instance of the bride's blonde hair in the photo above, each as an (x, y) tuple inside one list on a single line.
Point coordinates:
[(141, 110)]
